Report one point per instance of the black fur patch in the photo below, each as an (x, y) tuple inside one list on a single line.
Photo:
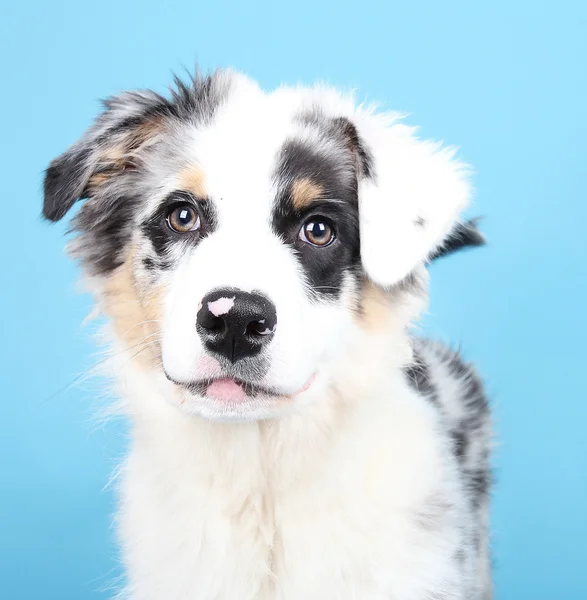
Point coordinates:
[(325, 267), (464, 235), (105, 228), (460, 443), (418, 375), (345, 133), (149, 263), (364, 158), (474, 399), (479, 483), (162, 238), (64, 183)]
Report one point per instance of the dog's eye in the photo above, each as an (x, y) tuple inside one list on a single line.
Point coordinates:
[(183, 218), (317, 231)]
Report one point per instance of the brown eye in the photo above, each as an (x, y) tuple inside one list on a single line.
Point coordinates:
[(183, 218), (317, 232)]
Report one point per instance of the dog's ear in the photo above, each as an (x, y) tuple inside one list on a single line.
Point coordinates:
[(110, 146), (465, 234), (411, 193), (66, 179)]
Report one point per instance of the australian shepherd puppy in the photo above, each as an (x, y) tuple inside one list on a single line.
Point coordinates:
[(261, 258)]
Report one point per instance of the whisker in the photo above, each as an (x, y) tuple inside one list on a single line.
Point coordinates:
[(95, 367), (141, 323), (149, 344)]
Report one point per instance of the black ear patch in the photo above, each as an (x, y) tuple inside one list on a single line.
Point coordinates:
[(363, 158), (465, 235), (343, 130), (65, 182)]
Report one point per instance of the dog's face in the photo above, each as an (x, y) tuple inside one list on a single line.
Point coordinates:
[(232, 235)]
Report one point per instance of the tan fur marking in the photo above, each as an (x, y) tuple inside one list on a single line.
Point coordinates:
[(135, 313), (192, 179), (144, 134), (375, 307), (304, 191), (124, 153), (98, 180)]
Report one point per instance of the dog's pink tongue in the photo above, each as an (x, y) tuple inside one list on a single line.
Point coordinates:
[(227, 390)]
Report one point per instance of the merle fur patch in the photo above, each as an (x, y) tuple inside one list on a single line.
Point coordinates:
[(466, 415), (88, 169)]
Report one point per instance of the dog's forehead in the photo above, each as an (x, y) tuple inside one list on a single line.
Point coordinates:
[(238, 150), (255, 144)]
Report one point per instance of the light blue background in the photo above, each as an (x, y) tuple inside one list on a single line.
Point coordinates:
[(507, 81)]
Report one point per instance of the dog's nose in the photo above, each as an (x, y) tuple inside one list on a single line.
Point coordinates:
[(236, 324)]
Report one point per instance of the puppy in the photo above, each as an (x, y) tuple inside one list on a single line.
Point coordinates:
[(261, 259)]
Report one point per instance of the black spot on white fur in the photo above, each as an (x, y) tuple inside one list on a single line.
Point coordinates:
[(418, 375)]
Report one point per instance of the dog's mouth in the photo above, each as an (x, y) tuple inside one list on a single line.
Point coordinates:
[(234, 390), (230, 390)]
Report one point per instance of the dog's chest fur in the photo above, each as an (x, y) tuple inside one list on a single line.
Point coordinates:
[(357, 498)]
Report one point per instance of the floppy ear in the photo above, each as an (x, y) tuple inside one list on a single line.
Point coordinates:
[(464, 234), (410, 197), (107, 148), (66, 179)]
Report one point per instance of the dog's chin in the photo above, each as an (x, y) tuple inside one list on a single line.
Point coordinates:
[(225, 399)]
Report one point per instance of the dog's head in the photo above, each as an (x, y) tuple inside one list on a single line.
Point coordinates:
[(232, 234)]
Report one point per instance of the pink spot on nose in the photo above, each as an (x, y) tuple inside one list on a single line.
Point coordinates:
[(221, 306), (226, 390)]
